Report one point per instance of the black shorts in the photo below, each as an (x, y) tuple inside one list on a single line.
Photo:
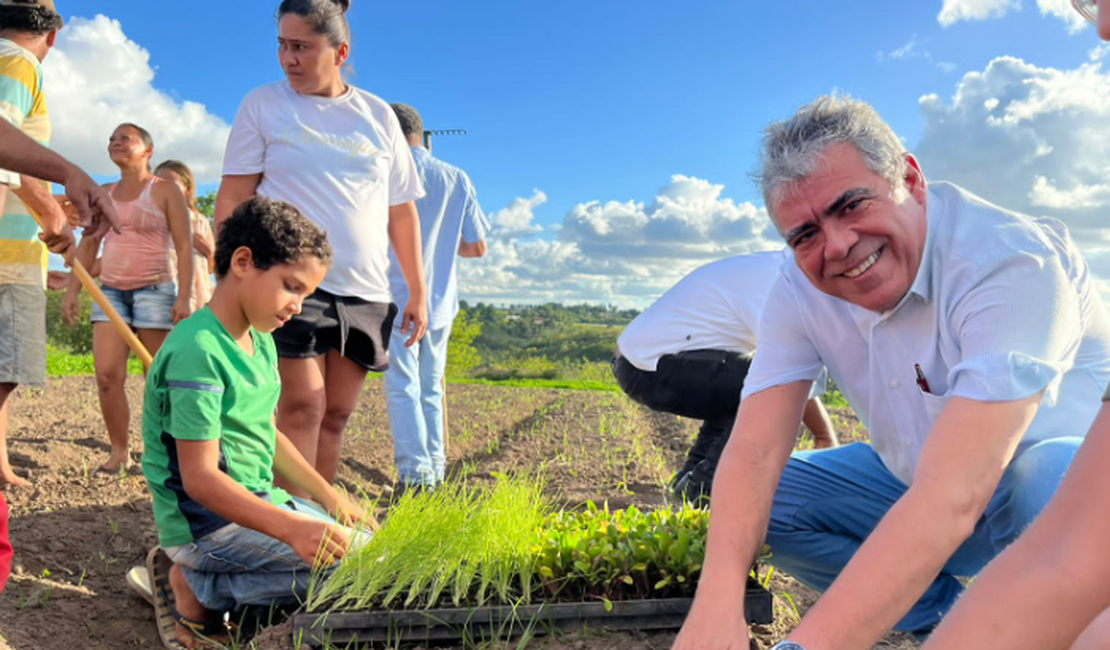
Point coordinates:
[(358, 329)]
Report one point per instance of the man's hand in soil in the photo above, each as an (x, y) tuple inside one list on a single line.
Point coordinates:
[(317, 542), (712, 627), (750, 466)]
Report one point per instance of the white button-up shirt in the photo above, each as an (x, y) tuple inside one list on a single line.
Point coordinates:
[(1002, 307)]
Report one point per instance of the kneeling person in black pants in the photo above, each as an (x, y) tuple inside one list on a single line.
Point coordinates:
[(689, 353)]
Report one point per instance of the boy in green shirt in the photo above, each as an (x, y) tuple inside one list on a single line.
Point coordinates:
[(211, 447)]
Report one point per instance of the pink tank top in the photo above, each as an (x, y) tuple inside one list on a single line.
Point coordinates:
[(140, 256)]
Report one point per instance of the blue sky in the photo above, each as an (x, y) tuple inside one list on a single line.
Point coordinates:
[(581, 114)]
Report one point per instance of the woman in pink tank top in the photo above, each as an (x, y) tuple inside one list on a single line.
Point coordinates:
[(138, 269)]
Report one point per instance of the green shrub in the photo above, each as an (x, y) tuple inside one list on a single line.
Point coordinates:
[(76, 339), (462, 356)]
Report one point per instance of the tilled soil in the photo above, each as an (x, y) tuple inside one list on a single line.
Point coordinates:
[(76, 532)]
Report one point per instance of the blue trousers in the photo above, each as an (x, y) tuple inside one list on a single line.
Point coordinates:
[(414, 398), (829, 501)]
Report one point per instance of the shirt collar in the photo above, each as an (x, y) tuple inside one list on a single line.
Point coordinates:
[(923, 284), (419, 151)]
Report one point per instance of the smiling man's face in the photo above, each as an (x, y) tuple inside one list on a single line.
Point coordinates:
[(853, 237)]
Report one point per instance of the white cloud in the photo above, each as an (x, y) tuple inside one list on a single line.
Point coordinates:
[(516, 219), (1063, 10), (97, 78), (626, 253), (1031, 139), (953, 11)]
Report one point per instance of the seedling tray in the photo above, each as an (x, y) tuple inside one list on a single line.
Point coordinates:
[(452, 624)]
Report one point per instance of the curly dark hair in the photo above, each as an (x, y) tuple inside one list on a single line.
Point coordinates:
[(31, 19), (274, 231)]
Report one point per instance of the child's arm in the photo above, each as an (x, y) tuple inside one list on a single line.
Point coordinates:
[(291, 465), (316, 542), (87, 255)]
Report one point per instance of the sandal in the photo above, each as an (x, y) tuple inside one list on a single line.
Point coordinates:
[(158, 566), (166, 616)]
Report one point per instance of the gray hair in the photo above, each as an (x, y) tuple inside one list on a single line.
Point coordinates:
[(324, 16), (793, 148), (409, 119)]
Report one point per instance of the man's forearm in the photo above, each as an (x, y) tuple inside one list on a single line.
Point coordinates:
[(889, 573), (956, 476), (21, 154), (38, 198), (744, 489)]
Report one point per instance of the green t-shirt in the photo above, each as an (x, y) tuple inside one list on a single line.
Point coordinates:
[(204, 386)]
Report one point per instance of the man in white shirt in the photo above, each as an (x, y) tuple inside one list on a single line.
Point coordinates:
[(452, 225), (689, 352), (971, 342)]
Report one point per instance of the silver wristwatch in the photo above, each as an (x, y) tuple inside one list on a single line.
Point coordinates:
[(787, 645)]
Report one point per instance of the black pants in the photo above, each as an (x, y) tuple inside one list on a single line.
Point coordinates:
[(700, 384)]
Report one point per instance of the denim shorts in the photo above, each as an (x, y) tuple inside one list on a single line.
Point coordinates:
[(149, 307), (22, 334), (235, 566)]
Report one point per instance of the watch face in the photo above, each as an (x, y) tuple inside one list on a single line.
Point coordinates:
[(787, 645)]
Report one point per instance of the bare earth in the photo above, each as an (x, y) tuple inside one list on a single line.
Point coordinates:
[(77, 532)]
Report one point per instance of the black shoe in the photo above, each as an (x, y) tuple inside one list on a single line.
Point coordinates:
[(695, 486)]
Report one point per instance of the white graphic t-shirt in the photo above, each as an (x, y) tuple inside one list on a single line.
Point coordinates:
[(342, 161)]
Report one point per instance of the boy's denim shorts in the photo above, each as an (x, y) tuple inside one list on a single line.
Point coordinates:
[(22, 334), (149, 307), (236, 566)]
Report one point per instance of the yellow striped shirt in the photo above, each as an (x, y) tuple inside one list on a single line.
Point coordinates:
[(23, 257)]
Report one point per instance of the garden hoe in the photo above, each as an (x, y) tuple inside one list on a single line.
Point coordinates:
[(117, 322)]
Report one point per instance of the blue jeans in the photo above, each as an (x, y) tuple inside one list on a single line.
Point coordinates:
[(414, 397), (149, 307), (829, 501), (236, 566)]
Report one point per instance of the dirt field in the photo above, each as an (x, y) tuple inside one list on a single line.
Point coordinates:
[(77, 532)]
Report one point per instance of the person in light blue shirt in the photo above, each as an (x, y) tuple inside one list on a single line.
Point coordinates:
[(970, 340), (452, 225)]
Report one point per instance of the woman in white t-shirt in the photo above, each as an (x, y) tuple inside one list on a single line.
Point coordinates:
[(337, 153)]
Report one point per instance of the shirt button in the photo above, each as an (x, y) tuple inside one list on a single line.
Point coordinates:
[(894, 383)]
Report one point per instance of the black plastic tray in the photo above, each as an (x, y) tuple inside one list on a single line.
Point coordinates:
[(419, 626)]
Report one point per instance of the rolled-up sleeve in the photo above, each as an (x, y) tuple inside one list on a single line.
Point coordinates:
[(246, 145), (1019, 330), (785, 353), (475, 224)]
